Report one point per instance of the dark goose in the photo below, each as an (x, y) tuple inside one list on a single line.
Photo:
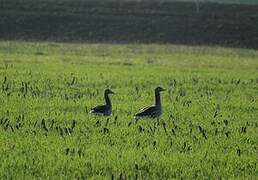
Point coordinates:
[(106, 109), (153, 111)]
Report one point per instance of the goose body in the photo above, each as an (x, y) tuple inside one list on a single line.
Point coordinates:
[(153, 111), (106, 109)]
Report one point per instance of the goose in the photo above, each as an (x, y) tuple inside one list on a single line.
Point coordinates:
[(106, 109), (153, 111)]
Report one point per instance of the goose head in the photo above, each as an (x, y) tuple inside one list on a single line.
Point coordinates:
[(108, 91), (159, 89)]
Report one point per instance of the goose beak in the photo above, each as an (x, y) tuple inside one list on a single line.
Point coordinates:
[(111, 92), (163, 89)]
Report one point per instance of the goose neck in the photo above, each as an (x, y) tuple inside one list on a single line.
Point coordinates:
[(107, 99), (157, 99)]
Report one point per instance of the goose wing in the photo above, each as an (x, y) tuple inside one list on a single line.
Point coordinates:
[(101, 109), (150, 111)]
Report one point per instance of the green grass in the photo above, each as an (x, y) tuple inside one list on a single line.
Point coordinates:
[(208, 129)]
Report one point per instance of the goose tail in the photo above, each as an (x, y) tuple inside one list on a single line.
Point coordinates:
[(92, 111)]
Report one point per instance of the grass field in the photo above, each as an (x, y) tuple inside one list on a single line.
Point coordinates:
[(208, 129), (130, 22), (223, 1)]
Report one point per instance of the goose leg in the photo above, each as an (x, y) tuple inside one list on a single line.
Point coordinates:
[(158, 121), (154, 126), (132, 121), (136, 120)]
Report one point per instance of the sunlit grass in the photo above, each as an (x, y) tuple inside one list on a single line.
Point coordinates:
[(208, 129)]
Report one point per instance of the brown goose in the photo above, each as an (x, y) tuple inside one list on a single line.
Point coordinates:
[(106, 109), (153, 111)]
